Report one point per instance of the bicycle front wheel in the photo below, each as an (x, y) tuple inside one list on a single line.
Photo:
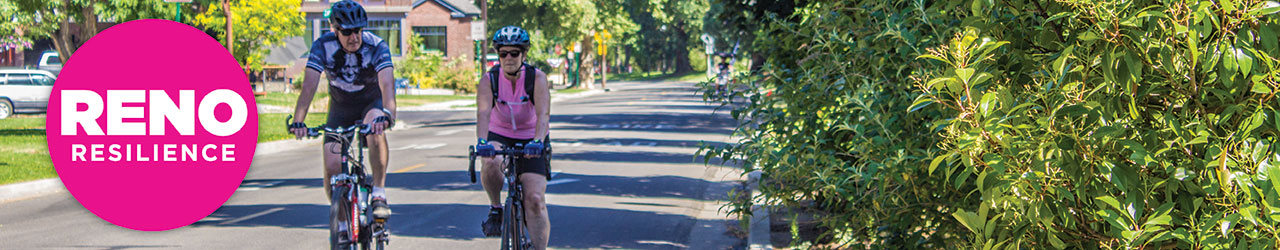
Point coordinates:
[(511, 233), (338, 209)]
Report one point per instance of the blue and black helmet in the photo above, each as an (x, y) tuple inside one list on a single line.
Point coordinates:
[(347, 14), (511, 36)]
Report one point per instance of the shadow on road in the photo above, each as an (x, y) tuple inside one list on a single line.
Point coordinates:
[(622, 229), (653, 186)]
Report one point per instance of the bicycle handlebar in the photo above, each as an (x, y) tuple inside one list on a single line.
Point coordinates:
[(514, 151), (313, 132)]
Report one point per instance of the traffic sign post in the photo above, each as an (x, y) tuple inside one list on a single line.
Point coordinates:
[(601, 49), (178, 6), (710, 43)]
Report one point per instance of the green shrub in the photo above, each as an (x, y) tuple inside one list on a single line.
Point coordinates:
[(1020, 124), (419, 65), (458, 75)]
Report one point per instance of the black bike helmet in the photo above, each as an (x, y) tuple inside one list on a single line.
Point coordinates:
[(347, 14), (511, 36)]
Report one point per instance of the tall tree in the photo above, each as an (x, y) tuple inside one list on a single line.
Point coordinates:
[(24, 21), (258, 24)]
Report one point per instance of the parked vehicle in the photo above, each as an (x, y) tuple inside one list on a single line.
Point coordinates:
[(49, 61), (24, 90)]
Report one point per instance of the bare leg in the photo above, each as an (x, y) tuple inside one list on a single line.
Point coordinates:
[(378, 155), (535, 209), (491, 178), (332, 152)]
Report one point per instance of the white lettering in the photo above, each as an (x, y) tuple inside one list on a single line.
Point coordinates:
[(189, 153), (86, 119), (95, 152), (116, 112), (239, 112), (77, 151), (228, 152), (205, 151), (115, 152), (162, 108), (169, 151)]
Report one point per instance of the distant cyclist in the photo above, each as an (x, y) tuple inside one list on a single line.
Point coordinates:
[(359, 69), (520, 114), (725, 72)]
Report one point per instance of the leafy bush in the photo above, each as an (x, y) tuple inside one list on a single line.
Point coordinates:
[(429, 69), (419, 65), (1020, 124), (457, 75)]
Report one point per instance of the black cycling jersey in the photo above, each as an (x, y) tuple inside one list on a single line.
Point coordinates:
[(353, 77)]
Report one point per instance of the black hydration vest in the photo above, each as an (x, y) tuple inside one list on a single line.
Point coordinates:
[(530, 74)]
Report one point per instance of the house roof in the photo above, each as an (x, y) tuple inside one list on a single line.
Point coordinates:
[(458, 8)]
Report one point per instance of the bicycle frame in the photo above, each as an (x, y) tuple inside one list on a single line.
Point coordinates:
[(514, 231)]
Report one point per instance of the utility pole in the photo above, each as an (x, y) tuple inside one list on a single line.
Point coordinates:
[(226, 9)]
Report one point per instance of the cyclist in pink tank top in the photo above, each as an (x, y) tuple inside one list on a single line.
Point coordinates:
[(516, 116)]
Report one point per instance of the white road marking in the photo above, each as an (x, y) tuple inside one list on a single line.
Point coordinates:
[(448, 132), (561, 181), (251, 216), (422, 146), (256, 186)]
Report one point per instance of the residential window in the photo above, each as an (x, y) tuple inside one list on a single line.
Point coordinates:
[(433, 38), (388, 30)]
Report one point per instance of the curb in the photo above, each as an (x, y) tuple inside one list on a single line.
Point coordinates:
[(758, 236), (30, 189), (437, 106)]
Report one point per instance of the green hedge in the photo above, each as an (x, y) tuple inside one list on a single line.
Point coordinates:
[(1020, 124)]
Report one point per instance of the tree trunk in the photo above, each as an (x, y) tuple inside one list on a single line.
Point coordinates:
[(88, 24), (226, 9), (682, 50), (61, 38), (65, 41)]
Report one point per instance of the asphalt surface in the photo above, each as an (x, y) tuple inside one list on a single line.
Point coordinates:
[(625, 176)]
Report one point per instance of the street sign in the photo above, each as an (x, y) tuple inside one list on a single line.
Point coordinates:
[(477, 30), (710, 42), (555, 62)]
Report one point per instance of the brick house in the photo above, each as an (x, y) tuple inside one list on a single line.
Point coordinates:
[(444, 25)]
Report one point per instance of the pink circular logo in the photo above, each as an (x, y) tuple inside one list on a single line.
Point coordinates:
[(152, 125)]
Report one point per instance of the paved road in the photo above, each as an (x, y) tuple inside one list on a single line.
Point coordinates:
[(625, 177)]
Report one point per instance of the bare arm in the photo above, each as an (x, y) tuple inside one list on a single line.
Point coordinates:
[(484, 105), (310, 81), (386, 80), (542, 102)]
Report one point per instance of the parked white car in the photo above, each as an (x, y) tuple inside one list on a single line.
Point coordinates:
[(24, 90)]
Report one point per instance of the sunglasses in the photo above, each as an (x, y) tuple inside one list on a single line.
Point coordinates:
[(347, 32), (511, 53)]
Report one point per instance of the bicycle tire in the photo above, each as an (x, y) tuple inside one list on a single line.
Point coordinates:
[(506, 228), (518, 240), (337, 207)]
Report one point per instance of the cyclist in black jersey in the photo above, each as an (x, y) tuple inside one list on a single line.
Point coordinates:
[(360, 73)]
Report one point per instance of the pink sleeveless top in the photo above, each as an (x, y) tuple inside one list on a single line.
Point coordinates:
[(511, 116)]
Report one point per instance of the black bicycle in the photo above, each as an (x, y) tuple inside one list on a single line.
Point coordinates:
[(515, 234), (350, 193)]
